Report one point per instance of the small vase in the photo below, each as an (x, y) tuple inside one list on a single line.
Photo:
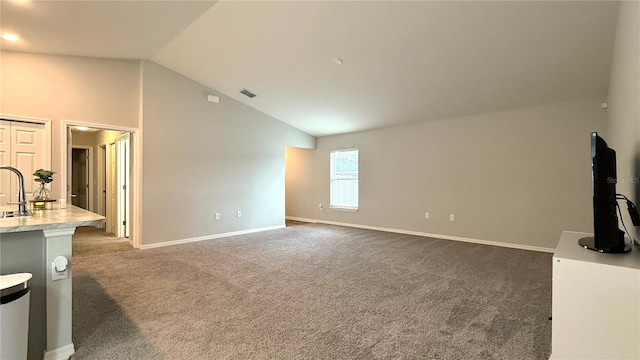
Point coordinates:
[(42, 193)]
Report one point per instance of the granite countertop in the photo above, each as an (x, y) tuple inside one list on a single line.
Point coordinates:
[(72, 216)]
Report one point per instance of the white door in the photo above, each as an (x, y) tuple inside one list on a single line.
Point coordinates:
[(27, 153), (22, 146), (102, 180), (123, 186), (112, 206), (5, 160)]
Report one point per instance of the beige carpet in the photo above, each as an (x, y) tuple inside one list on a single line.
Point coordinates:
[(89, 240), (314, 292)]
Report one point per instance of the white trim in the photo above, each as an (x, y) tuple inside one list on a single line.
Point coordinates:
[(24, 118), (101, 181), (343, 208), (208, 237), (418, 233), (62, 232), (61, 353), (136, 149), (123, 180), (69, 123), (295, 218), (333, 179), (135, 205)]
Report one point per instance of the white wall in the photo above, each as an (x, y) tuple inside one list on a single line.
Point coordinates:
[(200, 158), (624, 103), (519, 177), (98, 91)]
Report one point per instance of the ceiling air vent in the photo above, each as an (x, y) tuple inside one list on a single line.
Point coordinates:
[(247, 93)]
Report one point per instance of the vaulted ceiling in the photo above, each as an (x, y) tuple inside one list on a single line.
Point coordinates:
[(402, 61)]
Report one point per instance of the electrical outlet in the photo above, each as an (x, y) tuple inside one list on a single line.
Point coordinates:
[(217, 216), (426, 215), (59, 275), (239, 213), (452, 217), (60, 268)]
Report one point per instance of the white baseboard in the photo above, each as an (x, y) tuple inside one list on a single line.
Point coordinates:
[(302, 219), (417, 233), (207, 237), (61, 353)]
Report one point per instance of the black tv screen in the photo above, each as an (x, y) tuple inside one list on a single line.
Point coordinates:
[(607, 237)]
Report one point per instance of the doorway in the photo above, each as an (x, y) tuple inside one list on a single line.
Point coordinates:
[(108, 159), (80, 175)]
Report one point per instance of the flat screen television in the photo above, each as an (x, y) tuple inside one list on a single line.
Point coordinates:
[(608, 238)]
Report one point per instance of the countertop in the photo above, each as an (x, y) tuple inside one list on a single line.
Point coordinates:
[(569, 249), (72, 216)]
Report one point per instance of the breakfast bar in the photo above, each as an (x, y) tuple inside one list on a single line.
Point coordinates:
[(35, 244)]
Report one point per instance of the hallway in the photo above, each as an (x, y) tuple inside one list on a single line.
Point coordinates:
[(93, 241)]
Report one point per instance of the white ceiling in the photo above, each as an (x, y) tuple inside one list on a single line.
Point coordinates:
[(111, 29), (403, 61)]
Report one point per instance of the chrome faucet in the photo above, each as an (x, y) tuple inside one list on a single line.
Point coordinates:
[(22, 198)]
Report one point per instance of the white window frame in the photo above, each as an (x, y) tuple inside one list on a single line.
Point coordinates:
[(334, 179)]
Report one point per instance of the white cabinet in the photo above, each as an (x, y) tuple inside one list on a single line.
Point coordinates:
[(23, 145), (596, 302)]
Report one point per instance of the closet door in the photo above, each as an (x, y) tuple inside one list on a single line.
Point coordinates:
[(5, 160), (27, 154), (22, 146)]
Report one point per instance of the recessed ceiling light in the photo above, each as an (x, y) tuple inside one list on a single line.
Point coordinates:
[(337, 61), (21, 2), (10, 37)]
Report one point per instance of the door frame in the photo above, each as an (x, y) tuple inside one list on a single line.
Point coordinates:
[(135, 236), (102, 180), (111, 173), (123, 174), (90, 203)]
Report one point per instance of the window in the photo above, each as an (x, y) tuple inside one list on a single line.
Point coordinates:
[(343, 180)]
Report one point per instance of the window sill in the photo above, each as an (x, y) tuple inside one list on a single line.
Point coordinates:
[(343, 208)]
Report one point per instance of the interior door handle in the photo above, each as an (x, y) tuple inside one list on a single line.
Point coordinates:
[(74, 195)]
